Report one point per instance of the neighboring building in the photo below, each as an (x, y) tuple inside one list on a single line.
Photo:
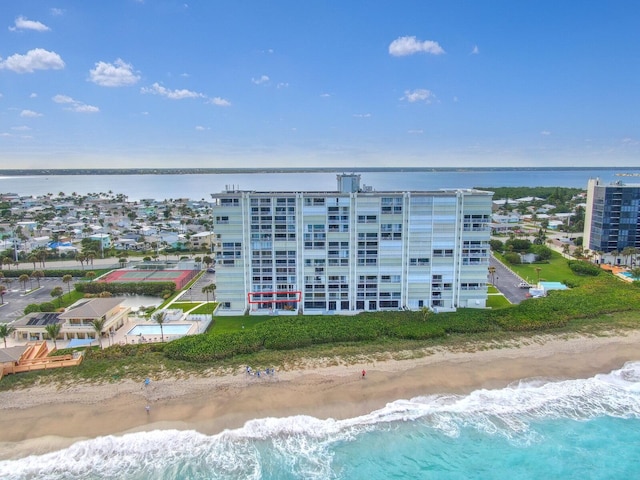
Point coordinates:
[(103, 238), (76, 322), (351, 250), (202, 240), (612, 216)]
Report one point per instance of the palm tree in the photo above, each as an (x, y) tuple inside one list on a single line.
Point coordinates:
[(37, 274), (3, 289), (57, 292), (98, 325), (53, 330), (160, 317), (23, 279), (33, 259), (90, 275), (5, 331), (492, 272), (538, 270), (68, 279), (209, 289)]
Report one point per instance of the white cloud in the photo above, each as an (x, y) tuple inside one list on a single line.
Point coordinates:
[(200, 128), (82, 108), (33, 95), (220, 102), (63, 99), (283, 85), (418, 95), (24, 24), (475, 50), (36, 59), (30, 114), (362, 115), (415, 132), (325, 95), (21, 128), (261, 80), (116, 74), (403, 46), (157, 89), (545, 132), (455, 99), (75, 105), (56, 12)]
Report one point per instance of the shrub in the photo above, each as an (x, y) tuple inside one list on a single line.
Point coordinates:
[(32, 307), (584, 268), (512, 258)]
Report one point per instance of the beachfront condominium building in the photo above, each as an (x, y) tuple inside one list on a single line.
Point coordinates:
[(612, 217), (351, 250)]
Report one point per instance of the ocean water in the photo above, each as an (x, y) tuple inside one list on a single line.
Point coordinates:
[(534, 429), (197, 187)]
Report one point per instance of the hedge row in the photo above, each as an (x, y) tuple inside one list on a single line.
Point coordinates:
[(600, 296), (47, 273), (154, 289)]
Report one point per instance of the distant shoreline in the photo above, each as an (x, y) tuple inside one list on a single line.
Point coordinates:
[(212, 171)]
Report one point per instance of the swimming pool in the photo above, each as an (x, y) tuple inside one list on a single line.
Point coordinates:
[(167, 329), (629, 275)]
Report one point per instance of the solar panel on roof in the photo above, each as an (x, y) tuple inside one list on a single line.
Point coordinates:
[(33, 321)]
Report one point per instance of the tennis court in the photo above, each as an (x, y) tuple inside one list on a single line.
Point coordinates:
[(179, 277)]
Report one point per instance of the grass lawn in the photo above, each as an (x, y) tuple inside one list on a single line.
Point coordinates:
[(557, 270), (498, 301)]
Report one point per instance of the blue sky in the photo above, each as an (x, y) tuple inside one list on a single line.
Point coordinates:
[(162, 83)]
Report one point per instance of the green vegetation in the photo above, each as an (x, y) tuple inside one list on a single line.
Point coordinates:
[(154, 289), (602, 295), (555, 270), (553, 195), (498, 301), (596, 305)]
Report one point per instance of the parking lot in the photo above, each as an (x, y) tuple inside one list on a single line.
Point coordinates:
[(15, 300)]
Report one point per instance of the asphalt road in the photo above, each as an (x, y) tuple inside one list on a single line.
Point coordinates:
[(508, 282), (15, 301)]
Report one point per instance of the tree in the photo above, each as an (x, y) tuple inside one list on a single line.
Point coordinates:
[(67, 279), (33, 259), (538, 270), (425, 313), (492, 272), (635, 273), (5, 331), (37, 274), (98, 325), (53, 330), (3, 290), (23, 279), (160, 317), (211, 288), (57, 292)]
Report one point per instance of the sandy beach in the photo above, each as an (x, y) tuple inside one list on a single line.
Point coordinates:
[(46, 418)]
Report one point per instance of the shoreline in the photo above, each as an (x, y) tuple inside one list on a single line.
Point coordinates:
[(49, 417)]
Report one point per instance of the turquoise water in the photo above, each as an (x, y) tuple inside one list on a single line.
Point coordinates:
[(574, 429), (167, 329)]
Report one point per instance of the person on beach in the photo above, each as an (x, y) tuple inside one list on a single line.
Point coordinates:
[(148, 409), (364, 373)]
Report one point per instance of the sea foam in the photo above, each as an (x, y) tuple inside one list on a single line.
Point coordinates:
[(305, 447)]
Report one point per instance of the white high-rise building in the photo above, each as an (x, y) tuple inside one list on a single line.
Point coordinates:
[(351, 250)]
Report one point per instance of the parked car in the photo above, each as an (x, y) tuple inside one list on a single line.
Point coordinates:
[(211, 270), (524, 285)]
